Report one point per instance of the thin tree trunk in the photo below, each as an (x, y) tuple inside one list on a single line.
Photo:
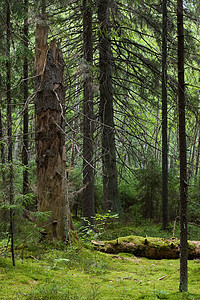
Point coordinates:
[(25, 114), (88, 172), (50, 136), (192, 153), (197, 153), (165, 209), (9, 122), (110, 184), (2, 150), (157, 132), (3, 175), (183, 152)]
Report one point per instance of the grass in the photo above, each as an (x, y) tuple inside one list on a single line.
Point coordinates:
[(47, 271)]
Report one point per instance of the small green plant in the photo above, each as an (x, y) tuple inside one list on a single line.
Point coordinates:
[(105, 221), (87, 231), (90, 232), (95, 292), (162, 294)]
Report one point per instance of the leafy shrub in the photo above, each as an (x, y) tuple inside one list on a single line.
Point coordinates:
[(87, 232)]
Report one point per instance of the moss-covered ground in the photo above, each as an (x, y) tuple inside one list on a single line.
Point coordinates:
[(47, 271)]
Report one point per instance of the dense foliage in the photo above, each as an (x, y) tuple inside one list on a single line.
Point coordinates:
[(135, 38)]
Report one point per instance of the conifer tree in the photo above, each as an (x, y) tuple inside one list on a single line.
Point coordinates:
[(9, 128), (25, 110), (165, 213), (88, 165), (110, 182), (183, 152)]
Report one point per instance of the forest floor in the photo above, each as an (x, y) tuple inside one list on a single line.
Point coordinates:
[(47, 271)]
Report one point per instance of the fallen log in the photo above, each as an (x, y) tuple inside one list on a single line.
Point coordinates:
[(153, 248)]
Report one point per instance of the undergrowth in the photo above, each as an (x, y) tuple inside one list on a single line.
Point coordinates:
[(109, 230), (78, 273), (56, 271)]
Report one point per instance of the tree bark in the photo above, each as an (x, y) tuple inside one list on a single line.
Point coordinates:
[(50, 136), (9, 126), (88, 171), (165, 207), (25, 112), (153, 248), (183, 152), (110, 184)]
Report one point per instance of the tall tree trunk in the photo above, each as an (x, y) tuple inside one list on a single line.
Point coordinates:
[(183, 152), (50, 135), (88, 172), (25, 114), (9, 122), (165, 209), (110, 184)]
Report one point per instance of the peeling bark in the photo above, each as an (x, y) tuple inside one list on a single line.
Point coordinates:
[(50, 136), (153, 248)]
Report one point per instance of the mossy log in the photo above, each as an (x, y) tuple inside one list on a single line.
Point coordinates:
[(153, 248)]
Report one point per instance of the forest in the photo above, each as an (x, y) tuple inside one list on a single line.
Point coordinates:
[(99, 149)]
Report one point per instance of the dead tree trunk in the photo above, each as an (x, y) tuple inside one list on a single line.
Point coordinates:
[(153, 248), (50, 135)]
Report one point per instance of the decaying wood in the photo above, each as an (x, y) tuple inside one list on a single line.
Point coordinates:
[(154, 248), (41, 46), (50, 136)]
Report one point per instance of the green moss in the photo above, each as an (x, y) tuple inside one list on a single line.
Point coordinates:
[(79, 273), (191, 246)]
